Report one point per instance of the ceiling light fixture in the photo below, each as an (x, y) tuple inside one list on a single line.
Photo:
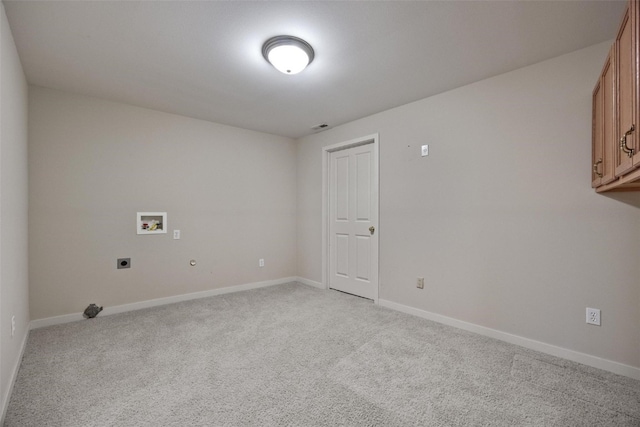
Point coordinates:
[(288, 54)]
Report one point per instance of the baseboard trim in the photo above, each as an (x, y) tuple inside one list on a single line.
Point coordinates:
[(586, 359), (310, 282), (74, 317), (14, 375), (575, 356)]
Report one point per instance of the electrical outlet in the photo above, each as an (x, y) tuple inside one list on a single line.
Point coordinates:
[(124, 263), (261, 262), (420, 283), (13, 325), (593, 316), (176, 234)]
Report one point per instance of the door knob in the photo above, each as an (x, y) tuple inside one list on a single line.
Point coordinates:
[(372, 229)]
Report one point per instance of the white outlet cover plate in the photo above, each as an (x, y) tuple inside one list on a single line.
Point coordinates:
[(593, 316), (425, 150)]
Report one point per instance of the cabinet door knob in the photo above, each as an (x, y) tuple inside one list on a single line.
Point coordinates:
[(595, 168), (623, 142)]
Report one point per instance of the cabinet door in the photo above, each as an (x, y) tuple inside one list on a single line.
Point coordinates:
[(596, 136), (609, 140), (604, 129), (634, 12), (603, 165), (626, 86)]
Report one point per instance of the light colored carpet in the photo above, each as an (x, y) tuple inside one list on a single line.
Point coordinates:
[(291, 355)]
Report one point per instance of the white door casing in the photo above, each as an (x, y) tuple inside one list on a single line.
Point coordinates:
[(350, 226)]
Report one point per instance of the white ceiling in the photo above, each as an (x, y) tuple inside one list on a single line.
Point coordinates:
[(203, 59)]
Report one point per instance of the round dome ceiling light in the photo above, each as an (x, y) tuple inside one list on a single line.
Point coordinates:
[(288, 54)]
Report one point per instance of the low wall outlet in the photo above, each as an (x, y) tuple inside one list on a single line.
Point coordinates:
[(176, 234), (124, 263), (261, 262), (593, 316), (424, 150), (420, 283)]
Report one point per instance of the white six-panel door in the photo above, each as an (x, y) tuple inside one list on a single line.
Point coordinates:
[(353, 221)]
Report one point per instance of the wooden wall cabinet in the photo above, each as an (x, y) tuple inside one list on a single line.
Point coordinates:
[(616, 115)]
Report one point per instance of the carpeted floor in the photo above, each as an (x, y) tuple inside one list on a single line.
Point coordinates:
[(292, 355)]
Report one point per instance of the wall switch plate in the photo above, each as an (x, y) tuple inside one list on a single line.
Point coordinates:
[(176, 234), (261, 262), (124, 263), (420, 283), (425, 150), (593, 316)]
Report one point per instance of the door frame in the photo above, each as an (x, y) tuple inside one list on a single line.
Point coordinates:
[(326, 153)]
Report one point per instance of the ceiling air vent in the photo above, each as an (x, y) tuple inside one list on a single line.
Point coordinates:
[(321, 126)]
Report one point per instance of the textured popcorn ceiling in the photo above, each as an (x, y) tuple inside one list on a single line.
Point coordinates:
[(203, 59)]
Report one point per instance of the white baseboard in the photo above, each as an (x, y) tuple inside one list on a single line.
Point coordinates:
[(575, 356), (14, 375), (309, 282), (67, 318), (586, 359)]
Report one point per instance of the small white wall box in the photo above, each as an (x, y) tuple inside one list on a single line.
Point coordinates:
[(151, 222)]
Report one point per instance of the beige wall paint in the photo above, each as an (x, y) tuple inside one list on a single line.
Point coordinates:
[(14, 284), (500, 218), (94, 164)]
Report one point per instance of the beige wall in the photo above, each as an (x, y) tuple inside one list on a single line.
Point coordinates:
[(94, 164), (500, 218), (13, 209)]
